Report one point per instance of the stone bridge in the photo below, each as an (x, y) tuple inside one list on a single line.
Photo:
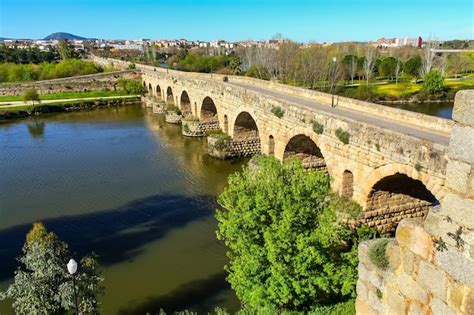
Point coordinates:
[(390, 161)]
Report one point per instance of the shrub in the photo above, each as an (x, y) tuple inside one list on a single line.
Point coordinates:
[(131, 66), (343, 135), (259, 72), (318, 128), (185, 128), (133, 87), (377, 253), (433, 83), (278, 111), (365, 92), (31, 95), (287, 249)]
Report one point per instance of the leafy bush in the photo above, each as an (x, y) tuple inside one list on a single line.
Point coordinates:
[(133, 87), (365, 92), (318, 128), (185, 128), (131, 66), (173, 108), (433, 83), (377, 253), (343, 135), (287, 249), (259, 72), (278, 111), (31, 95)]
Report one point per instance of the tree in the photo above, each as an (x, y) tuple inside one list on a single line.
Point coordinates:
[(350, 63), (458, 63), (132, 87), (433, 83), (387, 67), (31, 95), (287, 246), (428, 57), (66, 50), (369, 63), (413, 66), (42, 284)]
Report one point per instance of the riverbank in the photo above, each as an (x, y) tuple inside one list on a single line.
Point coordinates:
[(20, 111)]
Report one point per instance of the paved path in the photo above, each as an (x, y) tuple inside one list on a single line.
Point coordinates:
[(347, 113), (22, 103)]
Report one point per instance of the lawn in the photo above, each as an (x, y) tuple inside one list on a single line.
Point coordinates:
[(65, 95)]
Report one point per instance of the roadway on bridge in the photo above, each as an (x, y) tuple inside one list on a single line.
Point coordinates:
[(353, 115)]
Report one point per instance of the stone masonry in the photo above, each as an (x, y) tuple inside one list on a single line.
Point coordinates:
[(376, 157), (83, 83), (431, 261)]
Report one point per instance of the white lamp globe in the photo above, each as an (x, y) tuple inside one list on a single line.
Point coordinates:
[(334, 59), (72, 266)]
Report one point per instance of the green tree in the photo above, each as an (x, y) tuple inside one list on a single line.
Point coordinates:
[(287, 247), (387, 67), (132, 87), (413, 66), (42, 284), (433, 83), (66, 50), (31, 95)]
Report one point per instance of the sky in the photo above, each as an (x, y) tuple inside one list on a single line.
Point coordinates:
[(299, 20)]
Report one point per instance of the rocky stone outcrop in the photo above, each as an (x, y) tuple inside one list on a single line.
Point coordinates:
[(431, 269)]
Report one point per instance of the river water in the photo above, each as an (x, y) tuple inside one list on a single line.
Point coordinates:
[(439, 109), (122, 183)]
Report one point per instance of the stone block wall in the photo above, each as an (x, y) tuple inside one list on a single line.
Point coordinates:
[(227, 149), (431, 261), (91, 82), (173, 118), (199, 128)]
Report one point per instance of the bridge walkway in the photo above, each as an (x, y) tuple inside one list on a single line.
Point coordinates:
[(347, 113)]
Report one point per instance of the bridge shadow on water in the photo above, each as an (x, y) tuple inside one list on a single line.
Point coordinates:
[(116, 235)]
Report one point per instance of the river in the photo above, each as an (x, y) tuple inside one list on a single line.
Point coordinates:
[(122, 183), (438, 109)]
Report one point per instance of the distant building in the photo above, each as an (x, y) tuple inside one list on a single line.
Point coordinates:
[(128, 47)]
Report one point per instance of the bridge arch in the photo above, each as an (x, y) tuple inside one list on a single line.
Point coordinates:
[(302, 147), (208, 110), (169, 95), (396, 191), (245, 127), (271, 145), (347, 189), (226, 124), (150, 88), (158, 91), (185, 103)]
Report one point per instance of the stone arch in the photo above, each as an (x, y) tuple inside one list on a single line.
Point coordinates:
[(150, 88), (305, 149), (226, 124), (394, 192), (208, 109), (158, 91), (185, 103), (271, 145), (169, 95), (347, 189), (245, 127)]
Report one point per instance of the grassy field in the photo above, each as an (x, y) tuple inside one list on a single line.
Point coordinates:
[(66, 95), (15, 109)]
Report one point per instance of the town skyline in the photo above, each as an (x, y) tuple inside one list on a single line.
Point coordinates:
[(302, 22)]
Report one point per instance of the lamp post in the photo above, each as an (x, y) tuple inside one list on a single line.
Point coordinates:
[(72, 268), (333, 79)]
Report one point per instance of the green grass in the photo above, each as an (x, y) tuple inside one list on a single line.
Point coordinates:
[(64, 95), (29, 107)]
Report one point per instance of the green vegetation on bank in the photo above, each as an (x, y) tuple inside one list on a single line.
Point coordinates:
[(65, 95), (289, 246), (11, 72)]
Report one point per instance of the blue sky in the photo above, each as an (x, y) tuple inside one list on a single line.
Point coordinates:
[(304, 20)]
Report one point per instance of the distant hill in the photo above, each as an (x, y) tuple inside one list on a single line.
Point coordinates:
[(61, 35)]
